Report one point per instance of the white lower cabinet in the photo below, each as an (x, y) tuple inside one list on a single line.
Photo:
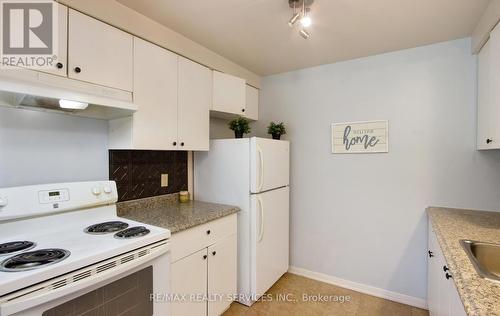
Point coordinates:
[(442, 296), (204, 282), (189, 277), (222, 271)]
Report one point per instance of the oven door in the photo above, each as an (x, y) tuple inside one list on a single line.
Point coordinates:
[(132, 283)]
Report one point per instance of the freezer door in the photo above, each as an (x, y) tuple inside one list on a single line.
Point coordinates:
[(269, 164), (270, 238)]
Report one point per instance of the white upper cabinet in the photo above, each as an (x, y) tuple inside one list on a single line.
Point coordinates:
[(155, 93), (99, 53), (229, 94), (488, 125), (154, 125), (195, 94), (60, 65), (173, 95), (252, 103)]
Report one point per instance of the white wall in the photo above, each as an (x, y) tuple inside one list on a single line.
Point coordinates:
[(361, 217), (219, 128), (38, 147)]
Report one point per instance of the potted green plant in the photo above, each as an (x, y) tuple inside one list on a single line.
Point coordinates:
[(240, 126), (276, 130)]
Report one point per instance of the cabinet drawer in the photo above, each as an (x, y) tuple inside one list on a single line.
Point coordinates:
[(194, 239)]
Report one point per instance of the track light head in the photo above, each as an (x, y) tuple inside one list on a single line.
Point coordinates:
[(293, 19), (306, 21), (305, 34)]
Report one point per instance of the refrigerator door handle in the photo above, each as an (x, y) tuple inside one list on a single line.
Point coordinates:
[(261, 157), (261, 226)]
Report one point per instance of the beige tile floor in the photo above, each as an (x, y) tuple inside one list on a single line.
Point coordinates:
[(359, 304)]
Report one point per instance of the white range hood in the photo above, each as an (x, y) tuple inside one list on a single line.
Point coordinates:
[(39, 91)]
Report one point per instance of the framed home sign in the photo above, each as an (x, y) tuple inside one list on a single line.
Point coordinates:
[(360, 137)]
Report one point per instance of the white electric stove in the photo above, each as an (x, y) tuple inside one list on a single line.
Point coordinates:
[(61, 241)]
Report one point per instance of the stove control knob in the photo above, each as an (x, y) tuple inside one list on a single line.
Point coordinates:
[(96, 191), (3, 201), (107, 190)]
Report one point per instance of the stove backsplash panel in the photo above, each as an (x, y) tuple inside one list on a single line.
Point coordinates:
[(138, 172)]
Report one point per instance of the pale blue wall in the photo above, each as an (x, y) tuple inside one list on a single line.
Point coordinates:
[(38, 147), (362, 217)]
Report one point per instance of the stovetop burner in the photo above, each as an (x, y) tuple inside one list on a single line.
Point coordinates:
[(107, 227), (33, 260), (15, 246), (132, 232)]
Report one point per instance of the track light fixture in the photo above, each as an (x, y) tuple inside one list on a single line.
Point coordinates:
[(303, 14)]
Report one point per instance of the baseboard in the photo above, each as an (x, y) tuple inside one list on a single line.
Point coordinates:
[(363, 288)]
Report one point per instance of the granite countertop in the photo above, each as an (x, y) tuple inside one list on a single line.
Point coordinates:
[(166, 211), (479, 296)]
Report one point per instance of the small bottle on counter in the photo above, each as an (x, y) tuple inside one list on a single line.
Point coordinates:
[(184, 197)]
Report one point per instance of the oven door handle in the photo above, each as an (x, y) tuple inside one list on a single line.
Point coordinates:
[(62, 286)]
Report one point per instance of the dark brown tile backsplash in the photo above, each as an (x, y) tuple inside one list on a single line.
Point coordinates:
[(138, 172)]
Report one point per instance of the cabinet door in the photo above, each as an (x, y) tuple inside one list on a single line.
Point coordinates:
[(189, 277), (438, 286), (433, 274), (195, 93), (60, 65), (488, 124), (442, 296), (155, 93), (443, 286), (228, 94), (222, 275), (485, 105), (252, 103), (495, 87), (456, 306), (99, 53)]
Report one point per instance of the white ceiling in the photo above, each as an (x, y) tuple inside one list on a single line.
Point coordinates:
[(255, 34)]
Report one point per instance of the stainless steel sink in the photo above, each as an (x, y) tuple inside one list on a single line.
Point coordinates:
[(485, 257)]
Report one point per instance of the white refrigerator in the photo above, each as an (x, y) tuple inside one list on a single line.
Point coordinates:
[(253, 174)]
